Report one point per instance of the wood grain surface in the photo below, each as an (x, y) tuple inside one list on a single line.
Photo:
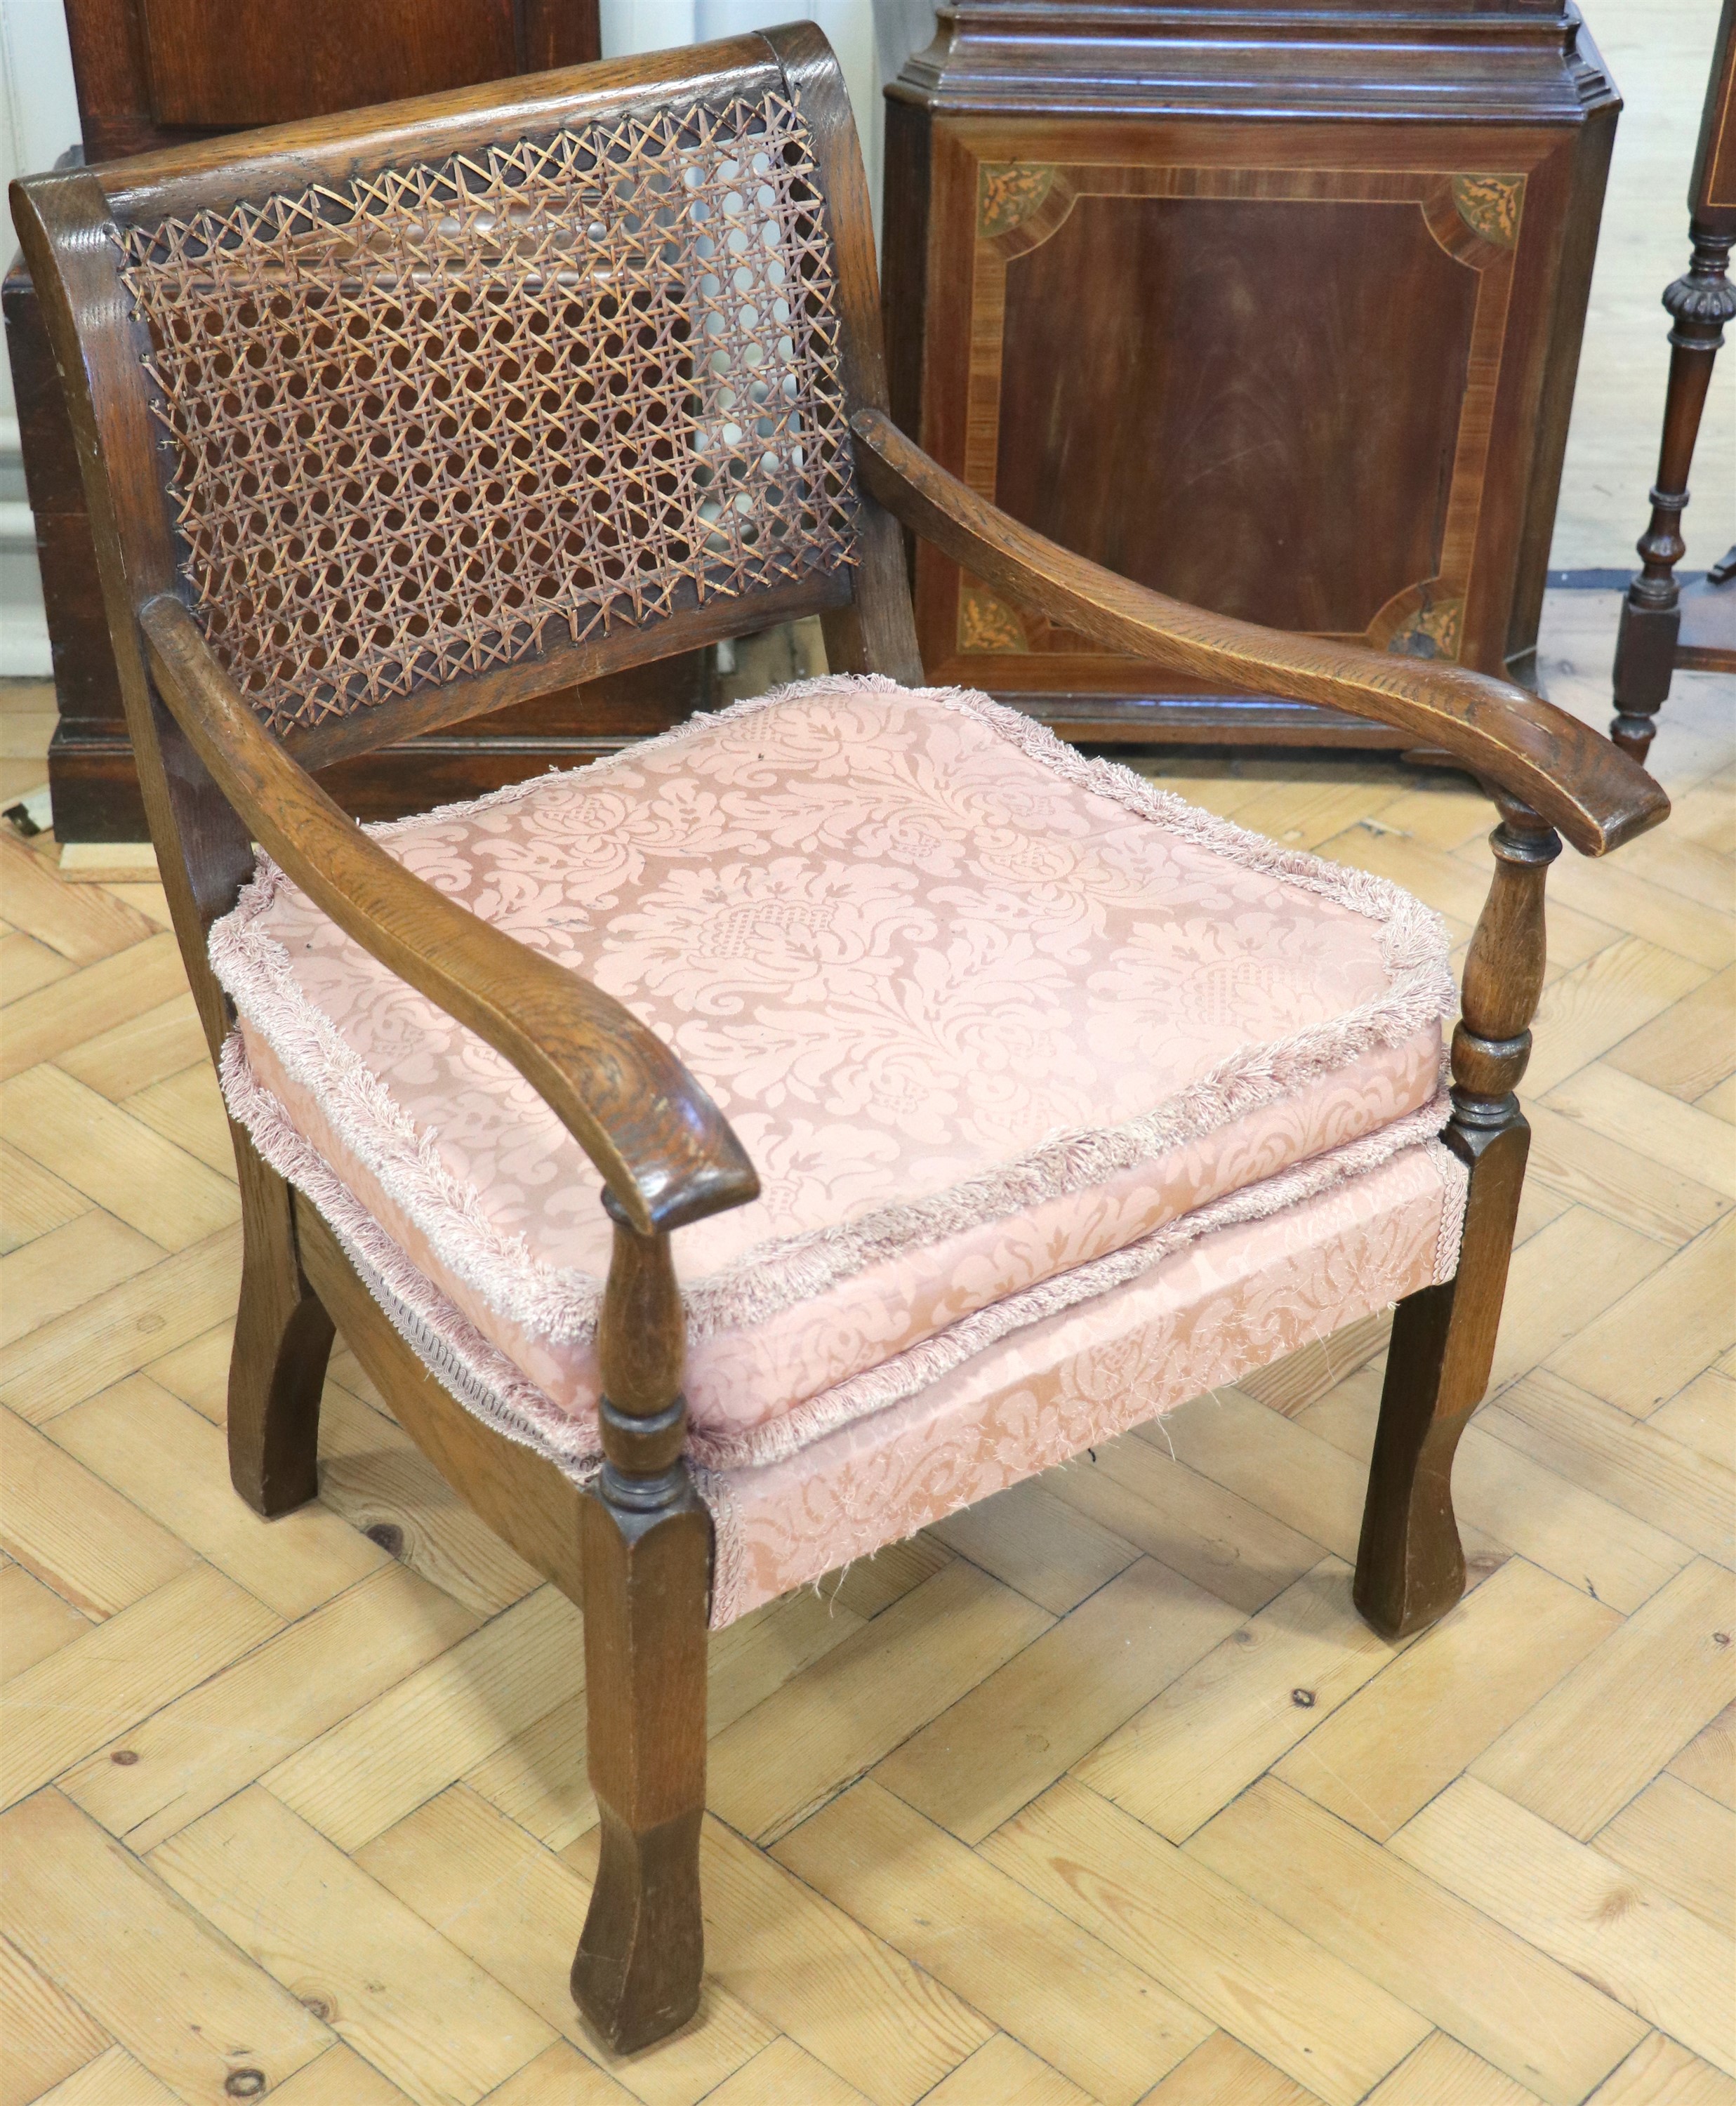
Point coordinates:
[(1484, 1867)]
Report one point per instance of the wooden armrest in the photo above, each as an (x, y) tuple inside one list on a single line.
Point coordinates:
[(666, 1152), (1595, 795)]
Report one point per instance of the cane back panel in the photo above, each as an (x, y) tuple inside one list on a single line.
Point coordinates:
[(445, 417)]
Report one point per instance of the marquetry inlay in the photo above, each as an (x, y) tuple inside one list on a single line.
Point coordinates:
[(1474, 218), (1490, 205), (988, 624), (1433, 631), (1007, 195)]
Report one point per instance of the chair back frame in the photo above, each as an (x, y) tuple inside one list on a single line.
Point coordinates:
[(75, 228)]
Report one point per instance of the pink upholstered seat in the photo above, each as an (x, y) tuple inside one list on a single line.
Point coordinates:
[(1006, 1032)]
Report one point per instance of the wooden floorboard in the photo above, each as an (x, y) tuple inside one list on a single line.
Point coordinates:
[(1100, 1792)]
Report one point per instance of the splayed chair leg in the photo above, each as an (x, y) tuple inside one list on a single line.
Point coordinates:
[(647, 1572), (1410, 1564), (283, 1339), (647, 1577)]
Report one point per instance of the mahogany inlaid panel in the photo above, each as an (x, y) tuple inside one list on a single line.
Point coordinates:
[(1283, 324), (1250, 473), (1203, 421)]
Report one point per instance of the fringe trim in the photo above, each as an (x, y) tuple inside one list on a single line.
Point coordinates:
[(486, 1382), (729, 1561), (443, 1338), (561, 1304), (1455, 1176), (920, 1365)]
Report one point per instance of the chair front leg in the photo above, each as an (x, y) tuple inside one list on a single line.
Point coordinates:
[(1411, 1564), (648, 1569)]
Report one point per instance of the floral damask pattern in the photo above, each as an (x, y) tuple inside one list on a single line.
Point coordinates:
[(1235, 1300), (1253, 1280), (980, 1010)]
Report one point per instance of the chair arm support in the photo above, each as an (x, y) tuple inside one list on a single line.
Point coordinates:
[(665, 1151), (1563, 769)]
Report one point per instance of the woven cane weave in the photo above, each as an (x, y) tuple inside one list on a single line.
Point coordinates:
[(446, 417)]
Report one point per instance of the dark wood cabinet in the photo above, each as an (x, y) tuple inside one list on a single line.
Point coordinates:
[(152, 73), (1276, 309)]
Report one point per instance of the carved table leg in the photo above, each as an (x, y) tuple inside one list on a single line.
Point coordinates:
[(1410, 1565), (282, 1340), (648, 1564), (1700, 304)]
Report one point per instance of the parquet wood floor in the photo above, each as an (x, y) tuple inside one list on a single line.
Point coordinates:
[(1100, 1792)]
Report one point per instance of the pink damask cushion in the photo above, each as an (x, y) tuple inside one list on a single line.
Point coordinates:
[(984, 1013), (1236, 1298), (1023, 1385)]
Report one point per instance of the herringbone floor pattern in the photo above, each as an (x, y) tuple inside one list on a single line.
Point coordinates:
[(1099, 1792)]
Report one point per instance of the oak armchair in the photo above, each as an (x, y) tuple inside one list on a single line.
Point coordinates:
[(1069, 1100)]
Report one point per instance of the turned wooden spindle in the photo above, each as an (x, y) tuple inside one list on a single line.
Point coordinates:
[(641, 1350), (1411, 1564), (1503, 972), (1699, 304), (648, 1567)]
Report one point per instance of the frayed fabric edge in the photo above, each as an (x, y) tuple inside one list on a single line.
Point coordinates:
[(478, 1374), (919, 1366), (1454, 1174), (487, 1382), (563, 1305)]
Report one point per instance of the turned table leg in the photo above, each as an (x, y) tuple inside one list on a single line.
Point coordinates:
[(1699, 305)]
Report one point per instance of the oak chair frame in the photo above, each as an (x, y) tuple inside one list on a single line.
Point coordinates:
[(637, 1551)]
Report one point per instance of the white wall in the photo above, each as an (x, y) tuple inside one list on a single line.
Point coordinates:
[(1659, 51), (38, 110), (38, 121), (872, 38)]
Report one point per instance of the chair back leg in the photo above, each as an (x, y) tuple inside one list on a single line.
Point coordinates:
[(1410, 1563), (283, 1339)]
